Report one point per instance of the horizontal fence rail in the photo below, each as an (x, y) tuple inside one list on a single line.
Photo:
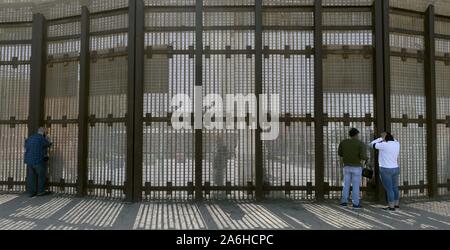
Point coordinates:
[(101, 78)]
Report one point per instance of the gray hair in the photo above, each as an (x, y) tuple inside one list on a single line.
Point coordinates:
[(42, 130)]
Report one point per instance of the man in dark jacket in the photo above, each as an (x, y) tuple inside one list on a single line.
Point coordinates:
[(36, 157), (353, 153)]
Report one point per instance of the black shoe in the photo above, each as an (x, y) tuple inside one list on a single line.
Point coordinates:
[(357, 206), (44, 193), (389, 209), (32, 195), (343, 204), (397, 207)]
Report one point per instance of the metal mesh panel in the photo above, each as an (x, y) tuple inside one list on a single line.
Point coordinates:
[(406, 22), (348, 88), (15, 82), (347, 19), (61, 103), (168, 157), (62, 91), (107, 103), (407, 88), (169, 2), (222, 76), (228, 157), (443, 130), (278, 18), (104, 5), (15, 11), (64, 29), (419, 5), (443, 161), (290, 160), (106, 162), (287, 2), (14, 101), (412, 159), (58, 9), (63, 158), (348, 85), (228, 2), (13, 32), (442, 90), (350, 38), (288, 66), (347, 2), (12, 167), (408, 102)]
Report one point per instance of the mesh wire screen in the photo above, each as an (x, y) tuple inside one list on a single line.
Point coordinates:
[(347, 2), (106, 161), (61, 103), (63, 157), (12, 165), (347, 18), (287, 162), (14, 99), (408, 102), (442, 90), (412, 159), (406, 22), (169, 2), (15, 32), (234, 160), (443, 151), (229, 157), (15, 11), (407, 88), (347, 87), (108, 101), (443, 113), (168, 154), (287, 2)]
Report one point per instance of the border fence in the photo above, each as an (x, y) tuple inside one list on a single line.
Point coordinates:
[(101, 74)]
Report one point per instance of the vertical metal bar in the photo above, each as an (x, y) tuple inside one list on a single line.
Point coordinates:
[(430, 91), (379, 96), (139, 100), (259, 172), (198, 82), (130, 100), (38, 62), (387, 65), (83, 103), (318, 100)]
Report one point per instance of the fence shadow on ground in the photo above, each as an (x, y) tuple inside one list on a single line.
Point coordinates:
[(70, 213)]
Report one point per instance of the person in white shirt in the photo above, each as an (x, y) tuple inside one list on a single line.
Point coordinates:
[(389, 149)]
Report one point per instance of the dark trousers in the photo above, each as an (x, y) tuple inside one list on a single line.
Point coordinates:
[(36, 176)]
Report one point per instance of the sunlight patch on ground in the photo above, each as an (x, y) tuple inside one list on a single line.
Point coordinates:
[(42, 211), (7, 198), (155, 216), (336, 218), (245, 216), (93, 213), (7, 224)]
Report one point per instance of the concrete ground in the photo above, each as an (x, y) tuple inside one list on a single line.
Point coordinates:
[(69, 213)]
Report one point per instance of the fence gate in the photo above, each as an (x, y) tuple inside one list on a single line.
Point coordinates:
[(102, 77)]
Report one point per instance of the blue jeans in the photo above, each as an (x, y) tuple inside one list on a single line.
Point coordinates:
[(352, 177), (390, 178), (36, 177)]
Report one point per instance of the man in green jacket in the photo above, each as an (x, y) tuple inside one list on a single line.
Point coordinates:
[(353, 154)]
